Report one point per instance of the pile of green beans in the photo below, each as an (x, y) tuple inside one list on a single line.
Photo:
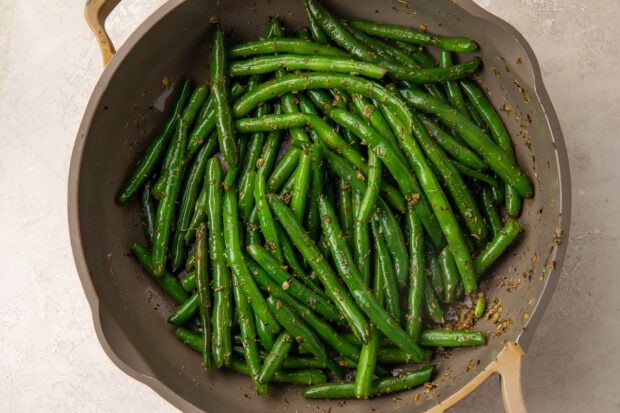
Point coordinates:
[(317, 204)]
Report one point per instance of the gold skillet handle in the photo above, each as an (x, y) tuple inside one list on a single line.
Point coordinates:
[(508, 366), (95, 13)]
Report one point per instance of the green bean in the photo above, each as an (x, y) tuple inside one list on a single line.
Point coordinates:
[(248, 172), (323, 130), (284, 168), (191, 260), (493, 155), (320, 327), (265, 336), (222, 282), (451, 275), (339, 296), (418, 53), (480, 306), (490, 211), (375, 172), (325, 100), (386, 385), (188, 282), (166, 281), (274, 29), (472, 173), (498, 194), (197, 98), (346, 171), (290, 254), (433, 338), (335, 142), (185, 311), (361, 240), (270, 149), (155, 150), (431, 305), (206, 124), (351, 277), (234, 257), (190, 338), (306, 372), (376, 45), (147, 213), (435, 271), (453, 90), (345, 211), (513, 202), (305, 377), (199, 215), (195, 102), (223, 113), (407, 34), (298, 362), (453, 147), (399, 170), (297, 289), (434, 88), (368, 354), (194, 178), (290, 257), (306, 105), (415, 300), (427, 75), (248, 333), (312, 219), (364, 51), (290, 105), (274, 360), (307, 81), (462, 197), (364, 109), (253, 234), (385, 269), (497, 246), (292, 62), (338, 33), (317, 32), (285, 45), (202, 285), (395, 241), (394, 355), (439, 202), (287, 189), (265, 218), (297, 328), (166, 206), (301, 183), (500, 134), (451, 338), (230, 178), (486, 111)]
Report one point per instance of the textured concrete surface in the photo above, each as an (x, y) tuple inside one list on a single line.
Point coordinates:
[(50, 359)]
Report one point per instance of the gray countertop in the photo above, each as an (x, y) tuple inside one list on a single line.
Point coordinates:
[(50, 359)]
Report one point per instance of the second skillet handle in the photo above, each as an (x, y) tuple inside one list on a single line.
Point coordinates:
[(95, 13), (508, 366)]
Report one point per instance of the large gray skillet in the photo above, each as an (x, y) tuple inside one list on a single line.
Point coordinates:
[(128, 106)]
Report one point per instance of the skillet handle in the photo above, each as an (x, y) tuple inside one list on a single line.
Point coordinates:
[(508, 366), (95, 13)]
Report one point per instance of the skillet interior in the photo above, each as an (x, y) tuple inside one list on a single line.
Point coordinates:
[(130, 312)]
